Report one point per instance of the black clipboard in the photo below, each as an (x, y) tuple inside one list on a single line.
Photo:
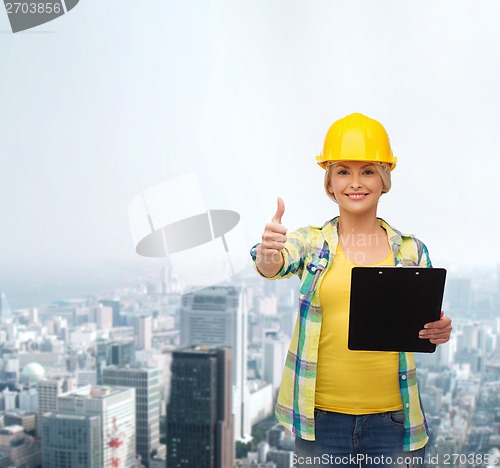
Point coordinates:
[(389, 305)]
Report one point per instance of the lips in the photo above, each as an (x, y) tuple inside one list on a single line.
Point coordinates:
[(356, 196)]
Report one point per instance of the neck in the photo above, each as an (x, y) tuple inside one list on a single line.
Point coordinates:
[(352, 224)]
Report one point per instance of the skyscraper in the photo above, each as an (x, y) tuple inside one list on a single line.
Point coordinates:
[(71, 440), (146, 382), (217, 316), (5, 310), (459, 294), (103, 317), (115, 305), (144, 332), (113, 353), (275, 351), (17, 448), (115, 407), (9, 364), (199, 417), (48, 390)]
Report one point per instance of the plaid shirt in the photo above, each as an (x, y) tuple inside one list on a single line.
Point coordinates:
[(308, 253)]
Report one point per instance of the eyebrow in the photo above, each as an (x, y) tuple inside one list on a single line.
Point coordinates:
[(348, 167)]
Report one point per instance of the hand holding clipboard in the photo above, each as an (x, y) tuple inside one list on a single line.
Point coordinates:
[(437, 332), (397, 309)]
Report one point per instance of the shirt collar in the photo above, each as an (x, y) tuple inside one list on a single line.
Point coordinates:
[(330, 233)]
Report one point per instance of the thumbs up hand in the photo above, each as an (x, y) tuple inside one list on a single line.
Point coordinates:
[(269, 260), (279, 212)]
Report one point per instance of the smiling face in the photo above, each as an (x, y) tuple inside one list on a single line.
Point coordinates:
[(355, 185)]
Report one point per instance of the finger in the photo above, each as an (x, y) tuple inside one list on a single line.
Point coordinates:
[(279, 212), (434, 330), (435, 333), (273, 246), (275, 228), (275, 232), (441, 323)]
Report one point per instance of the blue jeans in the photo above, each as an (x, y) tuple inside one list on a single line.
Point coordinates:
[(368, 440)]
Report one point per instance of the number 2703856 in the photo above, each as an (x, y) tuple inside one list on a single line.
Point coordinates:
[(33, 8), (469, 459)]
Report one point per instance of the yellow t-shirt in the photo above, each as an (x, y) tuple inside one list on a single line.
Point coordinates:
[(352, 382)]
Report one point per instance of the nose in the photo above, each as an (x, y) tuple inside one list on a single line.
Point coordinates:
[(355, 183)]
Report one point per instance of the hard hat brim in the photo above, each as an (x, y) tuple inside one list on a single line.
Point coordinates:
[(325, 163)]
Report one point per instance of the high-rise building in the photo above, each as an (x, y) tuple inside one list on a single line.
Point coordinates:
[(9, 365), (199, 416), (5, 310), (470, 337), (18, 448), (48, 390), (458, 294), (86, 377), (217, 316), (21, 418), (104, 317), (144, 332), (114, 353), (270, 288), (71, 440), (9, 399), (146, 382), (115, 407), (115, 305), (282, 458), (28, 400), (275, 351), (33, 315)]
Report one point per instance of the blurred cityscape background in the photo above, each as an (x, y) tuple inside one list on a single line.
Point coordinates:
[(102, 362), (143, 376)]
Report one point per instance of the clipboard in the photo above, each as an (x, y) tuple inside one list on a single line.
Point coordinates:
[(390, 305)]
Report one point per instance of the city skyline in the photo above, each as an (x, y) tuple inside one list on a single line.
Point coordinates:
[(20, 295), (450, 378)]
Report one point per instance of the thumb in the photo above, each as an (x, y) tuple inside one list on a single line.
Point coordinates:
[(279, 212)]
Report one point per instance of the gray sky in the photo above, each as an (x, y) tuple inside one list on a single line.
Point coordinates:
[(119, 95)]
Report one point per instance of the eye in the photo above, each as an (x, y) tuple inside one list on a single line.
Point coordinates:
[(342, 172), (368, 171)]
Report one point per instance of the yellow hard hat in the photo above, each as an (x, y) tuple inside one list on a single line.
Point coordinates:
[(357, 138)]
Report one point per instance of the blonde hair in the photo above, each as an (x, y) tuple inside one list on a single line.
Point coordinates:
[(383, 171)]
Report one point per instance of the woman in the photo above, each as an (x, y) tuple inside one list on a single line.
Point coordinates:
[(347, 408)]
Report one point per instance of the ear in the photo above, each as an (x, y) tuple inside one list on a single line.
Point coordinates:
[(330, 188)]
